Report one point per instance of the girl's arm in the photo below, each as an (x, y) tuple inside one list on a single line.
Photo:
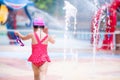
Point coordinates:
[(24, 37), (51, 39)]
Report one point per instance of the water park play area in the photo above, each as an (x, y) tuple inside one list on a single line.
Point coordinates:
[(89, 53), (73, 65), (68, 63)]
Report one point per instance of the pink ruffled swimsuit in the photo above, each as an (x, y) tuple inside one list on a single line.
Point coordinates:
[(39, 52)]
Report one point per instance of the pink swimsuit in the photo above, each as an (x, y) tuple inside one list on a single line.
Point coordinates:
[(39, 52)]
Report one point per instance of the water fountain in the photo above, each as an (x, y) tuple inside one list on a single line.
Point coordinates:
[(70, 11), (105, 17), (95, 33)]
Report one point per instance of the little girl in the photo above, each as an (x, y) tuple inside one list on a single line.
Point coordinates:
[(39, 56)]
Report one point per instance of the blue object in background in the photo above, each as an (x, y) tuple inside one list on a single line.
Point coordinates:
[(109, 35), (16, 4), (13, 7)]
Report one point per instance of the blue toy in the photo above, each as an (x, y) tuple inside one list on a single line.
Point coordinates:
[(19, 41)]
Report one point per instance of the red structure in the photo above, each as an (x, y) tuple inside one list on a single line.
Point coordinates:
[(111, 22)]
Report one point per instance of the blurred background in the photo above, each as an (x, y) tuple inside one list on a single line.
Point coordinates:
[(73, 55)]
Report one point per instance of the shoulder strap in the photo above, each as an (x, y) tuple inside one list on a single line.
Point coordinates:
[(38, 40), (44, 38)]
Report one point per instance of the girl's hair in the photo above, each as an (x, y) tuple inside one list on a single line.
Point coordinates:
[(35, 26)]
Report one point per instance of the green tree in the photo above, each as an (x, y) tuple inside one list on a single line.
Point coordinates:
[(45, 4), (53, 7)]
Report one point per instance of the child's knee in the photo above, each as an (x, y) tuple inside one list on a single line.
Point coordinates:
[(36, 74), (43, 70)]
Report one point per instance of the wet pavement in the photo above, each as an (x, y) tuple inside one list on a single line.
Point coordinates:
[(76, 61), (82, 67)]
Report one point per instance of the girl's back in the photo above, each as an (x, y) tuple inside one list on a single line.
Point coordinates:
[(40, 35)]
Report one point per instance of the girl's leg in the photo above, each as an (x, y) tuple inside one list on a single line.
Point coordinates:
[(36, 72), (43, 71)]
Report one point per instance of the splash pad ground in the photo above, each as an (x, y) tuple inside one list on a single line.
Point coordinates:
[(105, 66)]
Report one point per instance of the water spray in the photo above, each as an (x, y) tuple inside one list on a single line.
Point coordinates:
[(70, 11)]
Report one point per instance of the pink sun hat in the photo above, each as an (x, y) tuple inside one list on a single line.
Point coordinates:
[(38, 22)]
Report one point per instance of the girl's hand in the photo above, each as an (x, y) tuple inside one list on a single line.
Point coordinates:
[(52, 39), (53, 36), (45, 30), (16, 33)]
